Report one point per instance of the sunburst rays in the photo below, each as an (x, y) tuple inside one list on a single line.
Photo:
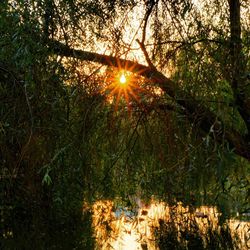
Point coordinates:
[(122, 86)]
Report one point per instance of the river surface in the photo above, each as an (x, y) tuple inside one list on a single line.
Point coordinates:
[(149, 226)]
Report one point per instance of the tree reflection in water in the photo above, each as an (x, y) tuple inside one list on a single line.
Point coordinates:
[(158, 226)]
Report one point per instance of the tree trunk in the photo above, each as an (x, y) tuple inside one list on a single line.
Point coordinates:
[(238, 64)]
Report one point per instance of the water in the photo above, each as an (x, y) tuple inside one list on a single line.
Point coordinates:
[(157, 226)]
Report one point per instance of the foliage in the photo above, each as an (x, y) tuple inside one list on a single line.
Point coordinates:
[(191, 238), (62, 142)]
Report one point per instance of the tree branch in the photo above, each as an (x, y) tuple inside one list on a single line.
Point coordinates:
[(196, 112), (150, 7)]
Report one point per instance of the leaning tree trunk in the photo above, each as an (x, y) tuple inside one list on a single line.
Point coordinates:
[(194, 110)]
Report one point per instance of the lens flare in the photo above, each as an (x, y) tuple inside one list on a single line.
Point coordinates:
[(122, 86), (123, 79)]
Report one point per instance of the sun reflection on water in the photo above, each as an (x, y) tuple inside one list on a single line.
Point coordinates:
[(137, 232)]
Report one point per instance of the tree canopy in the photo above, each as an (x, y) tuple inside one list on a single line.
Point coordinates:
[(189, 32)]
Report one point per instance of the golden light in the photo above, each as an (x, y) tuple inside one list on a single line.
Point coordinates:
[(138, 233), (121, 85), (123, 79)]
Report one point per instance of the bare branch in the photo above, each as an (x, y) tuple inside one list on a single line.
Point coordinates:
[(143, 48), (150, 7)]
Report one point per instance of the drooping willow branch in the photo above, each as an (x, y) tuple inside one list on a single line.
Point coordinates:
[(195, 111)]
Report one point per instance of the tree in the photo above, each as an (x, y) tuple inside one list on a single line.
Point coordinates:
[(61, 135), (195, 110)]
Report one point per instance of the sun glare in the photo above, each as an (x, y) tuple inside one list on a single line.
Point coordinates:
[(123, 79), (121, 85)]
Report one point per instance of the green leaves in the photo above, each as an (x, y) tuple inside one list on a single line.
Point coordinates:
[(46, 178)]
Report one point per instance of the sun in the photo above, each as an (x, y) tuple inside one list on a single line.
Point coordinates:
[(123, 79), (122, 86)]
